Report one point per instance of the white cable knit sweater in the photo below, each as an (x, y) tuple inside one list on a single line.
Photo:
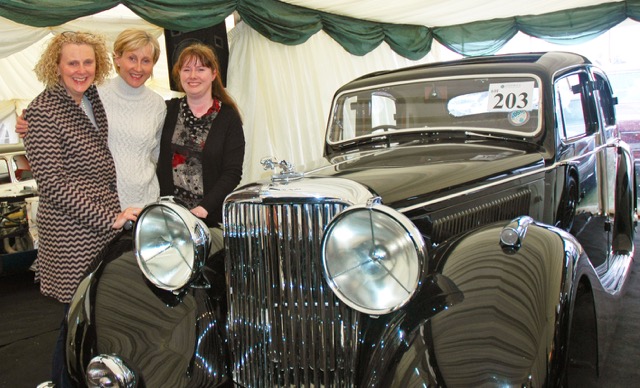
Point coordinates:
[(135, 117)]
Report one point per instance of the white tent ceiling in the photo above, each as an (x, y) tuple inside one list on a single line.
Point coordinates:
[(440, 13)]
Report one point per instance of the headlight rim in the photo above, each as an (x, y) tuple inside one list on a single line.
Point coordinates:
[(200, 239), (412, 232)]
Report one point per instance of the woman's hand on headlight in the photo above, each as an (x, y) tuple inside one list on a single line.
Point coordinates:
[(129, 214), (200, 212)]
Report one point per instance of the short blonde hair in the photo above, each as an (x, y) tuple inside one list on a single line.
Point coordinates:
[(47, 67), (132, 39)]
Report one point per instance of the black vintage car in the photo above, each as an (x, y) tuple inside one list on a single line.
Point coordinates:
[(471, 224)]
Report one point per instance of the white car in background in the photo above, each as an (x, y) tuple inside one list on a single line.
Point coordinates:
[(16, 179), (18, 204)]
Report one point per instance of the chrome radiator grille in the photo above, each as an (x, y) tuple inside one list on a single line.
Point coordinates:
[(287, 329)]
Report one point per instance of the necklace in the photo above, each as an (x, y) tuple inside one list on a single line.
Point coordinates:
[(191, 120), (83, 104)]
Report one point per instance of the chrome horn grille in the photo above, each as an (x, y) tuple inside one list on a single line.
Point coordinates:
[(286, 327)]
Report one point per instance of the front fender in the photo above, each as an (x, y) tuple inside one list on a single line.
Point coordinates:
[(510, 328), (166, 339), (625, 203)]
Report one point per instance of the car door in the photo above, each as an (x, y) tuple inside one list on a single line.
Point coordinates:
[(603, 102), (616, 167), (583, 156)]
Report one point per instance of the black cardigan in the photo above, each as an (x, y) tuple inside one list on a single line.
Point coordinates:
[(222, 158)]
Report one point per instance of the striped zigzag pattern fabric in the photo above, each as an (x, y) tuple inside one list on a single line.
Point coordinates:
[(76, 180)]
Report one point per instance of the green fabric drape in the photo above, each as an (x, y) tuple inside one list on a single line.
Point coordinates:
[(574, 27), (182, 15), (477, 38), (280, 22), (291, 25), (47, 13), (409, 41)]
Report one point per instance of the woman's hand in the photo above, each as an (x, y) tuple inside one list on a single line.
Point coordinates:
[(21, 125), (200, 212), (129, 214)]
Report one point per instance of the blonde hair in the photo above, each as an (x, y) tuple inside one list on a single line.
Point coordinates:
[(203, 53), (132, 39), (47, 67)]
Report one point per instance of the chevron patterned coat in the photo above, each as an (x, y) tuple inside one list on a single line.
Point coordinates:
[(76, 179)]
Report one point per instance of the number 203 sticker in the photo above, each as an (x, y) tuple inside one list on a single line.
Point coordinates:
[(507, 97)]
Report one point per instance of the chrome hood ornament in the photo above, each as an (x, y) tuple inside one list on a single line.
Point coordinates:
[(287, 171)]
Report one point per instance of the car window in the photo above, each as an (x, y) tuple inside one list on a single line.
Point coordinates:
[(4, 172), (605, 101), (495, 103), (569, 107)]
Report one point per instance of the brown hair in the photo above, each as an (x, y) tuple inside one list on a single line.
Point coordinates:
[(47, 67), (206, 56), (132, 39)]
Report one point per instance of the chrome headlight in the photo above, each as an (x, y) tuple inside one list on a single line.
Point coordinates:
[(171, 244), (373, 258), (109, 371)]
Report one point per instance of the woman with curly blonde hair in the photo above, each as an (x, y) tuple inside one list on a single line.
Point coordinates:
[(78, 211), (47, 67)]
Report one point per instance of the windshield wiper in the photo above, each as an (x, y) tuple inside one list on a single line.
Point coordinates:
[(494, 137)]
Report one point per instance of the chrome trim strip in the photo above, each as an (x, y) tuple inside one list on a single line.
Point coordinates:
[(311, 190), (505, 180)]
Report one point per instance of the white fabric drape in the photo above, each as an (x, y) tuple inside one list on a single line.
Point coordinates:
[(16, 37), (21, 47), (7, 122), (285, 92)]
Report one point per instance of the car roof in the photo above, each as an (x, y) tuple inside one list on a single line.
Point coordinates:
[(11, 148), (542, 63)]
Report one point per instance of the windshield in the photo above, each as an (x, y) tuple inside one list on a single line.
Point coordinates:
[(494, 103)]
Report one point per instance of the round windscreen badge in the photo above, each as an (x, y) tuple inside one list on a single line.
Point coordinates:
[(518, 117)]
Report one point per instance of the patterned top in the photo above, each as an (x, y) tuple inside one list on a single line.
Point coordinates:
[(76, 180), (221, 158), (188, 142)]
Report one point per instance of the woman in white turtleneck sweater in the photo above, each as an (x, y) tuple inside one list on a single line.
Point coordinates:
[(135, 114)]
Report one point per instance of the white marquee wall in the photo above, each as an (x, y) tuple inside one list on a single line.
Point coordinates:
[(284, 92)]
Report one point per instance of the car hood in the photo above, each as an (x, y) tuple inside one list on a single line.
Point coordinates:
[(419, 172)]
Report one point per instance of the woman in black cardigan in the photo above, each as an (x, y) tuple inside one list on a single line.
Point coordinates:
[(202, 144)]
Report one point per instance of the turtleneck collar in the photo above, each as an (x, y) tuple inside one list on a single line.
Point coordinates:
[(124, 89)]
